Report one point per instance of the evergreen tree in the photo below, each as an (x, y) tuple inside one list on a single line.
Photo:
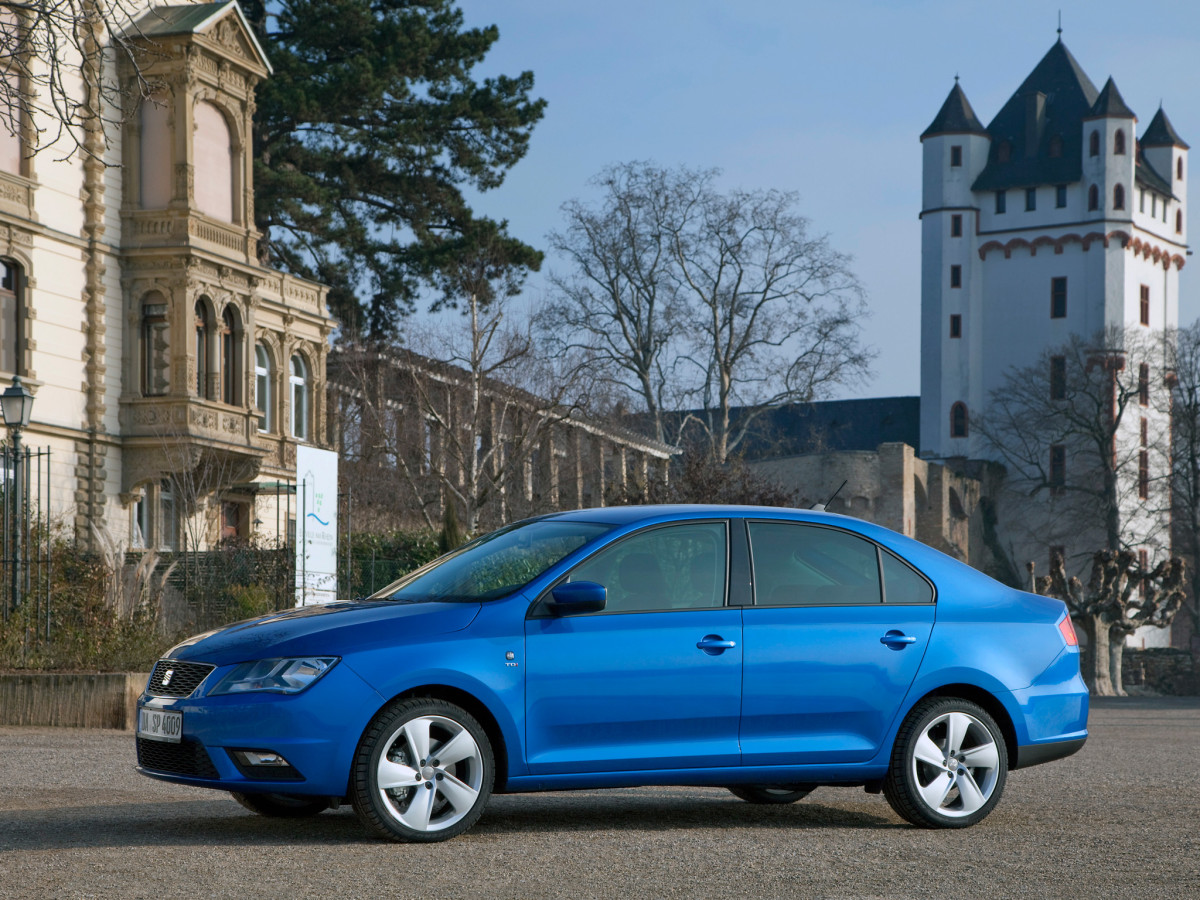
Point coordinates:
[(364, 139)]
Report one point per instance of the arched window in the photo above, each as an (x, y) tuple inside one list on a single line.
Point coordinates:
[(12, 316), (1179, 169), (1119, 143), (1094, 144), (1119, 197), (154, 162), (958, 420), (214, 155), (263, 376), (1004, 152), (203, 348), (231, 358), (1179, 221), (1093, 198), (1056, 146), (155, 346), (298, 379)]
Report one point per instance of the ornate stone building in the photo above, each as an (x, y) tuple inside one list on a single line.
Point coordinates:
[(173, 373)]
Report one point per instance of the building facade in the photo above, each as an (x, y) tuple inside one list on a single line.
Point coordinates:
[(172, 371), (1055, 221)]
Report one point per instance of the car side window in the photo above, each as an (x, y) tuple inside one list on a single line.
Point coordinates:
[(901, 584), (676, 567), (808, 565)]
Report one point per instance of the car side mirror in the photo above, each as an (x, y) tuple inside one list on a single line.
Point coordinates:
[(573, 597)]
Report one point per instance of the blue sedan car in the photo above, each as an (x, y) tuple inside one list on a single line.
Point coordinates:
[(766, 651)]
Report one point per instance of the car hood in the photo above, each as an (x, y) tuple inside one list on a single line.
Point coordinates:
[(330, 630)]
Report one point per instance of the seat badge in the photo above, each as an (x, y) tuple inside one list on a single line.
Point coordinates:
[(167, 675)]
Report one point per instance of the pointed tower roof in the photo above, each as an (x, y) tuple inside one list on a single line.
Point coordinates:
[(1110, 104), (1161, 133), (1040, 127), (955, 116)]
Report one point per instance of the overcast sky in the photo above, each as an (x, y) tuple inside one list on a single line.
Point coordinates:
[(825, 99)]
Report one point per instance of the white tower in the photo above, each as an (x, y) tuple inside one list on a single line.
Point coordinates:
[(1052, 221)]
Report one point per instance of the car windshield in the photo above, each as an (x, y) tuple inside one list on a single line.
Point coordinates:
[(494, 565)]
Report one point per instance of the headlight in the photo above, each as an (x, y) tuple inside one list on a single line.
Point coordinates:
[(281, 676)]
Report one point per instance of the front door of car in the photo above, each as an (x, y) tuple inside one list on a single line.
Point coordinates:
[(832, 644), (654, 680)]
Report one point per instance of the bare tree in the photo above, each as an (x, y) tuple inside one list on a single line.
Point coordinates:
[(1120, 597), (773, 309), (681, 294), (56, 80), (1069, 430), (619, 302), (1184, 369)]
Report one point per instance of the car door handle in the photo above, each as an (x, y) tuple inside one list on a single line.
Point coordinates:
[(897, 640), (712, 644)]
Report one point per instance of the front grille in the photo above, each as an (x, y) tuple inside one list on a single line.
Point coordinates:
[(185, 677), (185, 758)]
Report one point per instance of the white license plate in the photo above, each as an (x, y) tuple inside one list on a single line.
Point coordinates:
[(160, 724)]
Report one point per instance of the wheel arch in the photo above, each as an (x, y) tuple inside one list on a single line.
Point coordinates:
[(990, 704), (476, 708)]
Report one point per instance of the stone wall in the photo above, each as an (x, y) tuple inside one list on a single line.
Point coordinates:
[(1163, 670)]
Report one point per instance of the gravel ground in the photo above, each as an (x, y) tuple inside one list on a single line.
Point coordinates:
[(1119, 819)]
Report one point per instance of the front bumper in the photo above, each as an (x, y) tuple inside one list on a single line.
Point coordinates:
[(316, 731)]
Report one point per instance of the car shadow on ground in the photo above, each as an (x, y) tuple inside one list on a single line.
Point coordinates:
[(220, 823)]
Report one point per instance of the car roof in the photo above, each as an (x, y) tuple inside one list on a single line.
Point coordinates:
[(626, 515)]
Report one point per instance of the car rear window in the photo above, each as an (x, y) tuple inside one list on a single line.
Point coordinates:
[(809, 565)]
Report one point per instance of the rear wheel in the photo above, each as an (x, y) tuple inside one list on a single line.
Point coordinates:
[(423, 771), (771, 793), (949, 764), (282, 806)]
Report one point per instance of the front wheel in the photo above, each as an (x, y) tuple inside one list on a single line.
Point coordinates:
[(282, 806), (949, 764), (771, 793), (423, 771)]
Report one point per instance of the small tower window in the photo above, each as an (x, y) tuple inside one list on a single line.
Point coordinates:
[(1001, 202), (955, 325), (958, 420), (1119, 143), (1179, 169), (1058, 468), (956, 225), (1119, 197), (1060, 196), (1142, 201), (1145, 304), (1179, 221), (1154, 204), (1056, 146), (1058, 298), (956, 276), (1093, 198), (1058, 378), (1030, 199), (1144, 384), (955, 156), (1094, 144)]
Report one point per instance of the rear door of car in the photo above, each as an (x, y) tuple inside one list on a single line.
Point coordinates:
[(654, 680), (832, 643)]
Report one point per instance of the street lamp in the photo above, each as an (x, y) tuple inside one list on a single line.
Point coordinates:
[(16, 405)]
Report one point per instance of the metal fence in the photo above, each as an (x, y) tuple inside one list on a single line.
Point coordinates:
[(25, 563)]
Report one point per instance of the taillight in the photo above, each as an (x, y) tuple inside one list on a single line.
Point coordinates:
[(1068, 631)]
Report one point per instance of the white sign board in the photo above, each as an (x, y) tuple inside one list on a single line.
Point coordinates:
[(316, 525)]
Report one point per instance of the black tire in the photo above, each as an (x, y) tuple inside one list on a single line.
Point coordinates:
[(970, 783), (433, 800), (771, 793), (283, 806)]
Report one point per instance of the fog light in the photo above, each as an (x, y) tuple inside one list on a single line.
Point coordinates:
[(264, 765)]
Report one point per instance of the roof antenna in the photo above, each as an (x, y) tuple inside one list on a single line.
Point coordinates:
[(820, 507)]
